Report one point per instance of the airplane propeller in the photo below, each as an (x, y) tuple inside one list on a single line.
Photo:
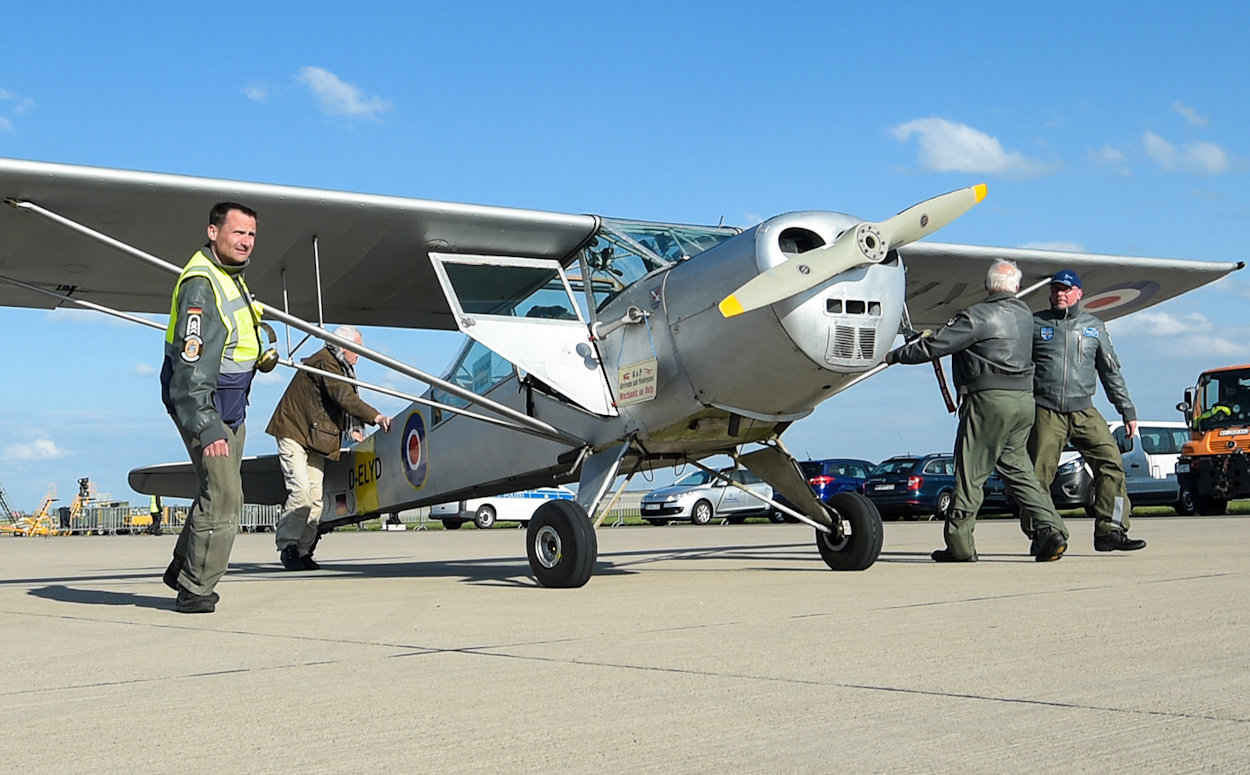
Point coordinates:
[(867, 243)]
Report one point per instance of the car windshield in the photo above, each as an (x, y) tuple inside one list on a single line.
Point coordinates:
[(895, 466), (697, 479)]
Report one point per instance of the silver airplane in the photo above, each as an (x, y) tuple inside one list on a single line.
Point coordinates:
[(597, 347)]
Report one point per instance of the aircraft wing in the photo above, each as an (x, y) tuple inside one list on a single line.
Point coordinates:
[(373, 250), (943, 278)]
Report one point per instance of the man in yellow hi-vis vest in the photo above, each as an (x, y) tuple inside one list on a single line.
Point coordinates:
[(211, 348)]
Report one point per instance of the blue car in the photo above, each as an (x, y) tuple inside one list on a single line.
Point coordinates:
[(912, 486), (830, 477)]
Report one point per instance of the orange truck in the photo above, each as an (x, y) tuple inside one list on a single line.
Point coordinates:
[(1215, 463)]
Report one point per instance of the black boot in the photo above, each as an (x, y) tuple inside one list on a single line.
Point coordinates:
[(290, 558), (190, 603)]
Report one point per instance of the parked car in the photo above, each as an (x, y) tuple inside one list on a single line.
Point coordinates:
[(1149, 461), (509, 507), (911, 486), (701, 497), (830, 477)]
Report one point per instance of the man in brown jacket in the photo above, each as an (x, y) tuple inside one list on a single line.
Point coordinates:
[(308, 423)]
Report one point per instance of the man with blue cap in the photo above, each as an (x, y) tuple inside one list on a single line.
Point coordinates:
[(1072, 353)]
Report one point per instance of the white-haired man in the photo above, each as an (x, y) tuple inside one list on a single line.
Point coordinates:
[(309, 423), (991, 345)]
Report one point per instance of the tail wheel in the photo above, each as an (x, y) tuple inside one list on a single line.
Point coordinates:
[(561, 545), (859, 544)]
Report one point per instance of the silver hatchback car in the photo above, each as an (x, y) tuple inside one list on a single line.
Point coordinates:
[(701, 497)]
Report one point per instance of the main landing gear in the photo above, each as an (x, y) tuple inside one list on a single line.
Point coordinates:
[(856, 545), (561, 545)]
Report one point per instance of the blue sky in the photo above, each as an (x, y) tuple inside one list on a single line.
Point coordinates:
[(1109, 127)]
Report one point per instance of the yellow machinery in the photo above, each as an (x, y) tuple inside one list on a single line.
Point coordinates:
[(39, 523)]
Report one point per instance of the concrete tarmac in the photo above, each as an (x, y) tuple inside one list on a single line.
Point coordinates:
[(692, 650)]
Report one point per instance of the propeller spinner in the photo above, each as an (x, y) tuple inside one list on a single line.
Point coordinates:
[(867, 243)]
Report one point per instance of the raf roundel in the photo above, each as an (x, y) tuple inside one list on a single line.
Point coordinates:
[(413, 450), (1136, 294)]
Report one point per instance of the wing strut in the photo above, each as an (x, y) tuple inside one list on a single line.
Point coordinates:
[(536, 426)]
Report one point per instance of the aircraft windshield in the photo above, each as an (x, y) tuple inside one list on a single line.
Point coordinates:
[(626, 251)]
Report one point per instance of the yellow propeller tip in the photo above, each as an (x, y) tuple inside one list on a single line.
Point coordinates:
[(979, 190), (730, 306)]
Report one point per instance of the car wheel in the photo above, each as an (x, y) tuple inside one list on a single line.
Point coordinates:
[(945, 505), (776, 517), (1185, 503), (702, 512), (452, 524), (1210, 507), (560, 544), (857, 548), (485, 516)]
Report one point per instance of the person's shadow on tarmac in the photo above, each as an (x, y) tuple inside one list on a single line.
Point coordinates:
[(66, 594)]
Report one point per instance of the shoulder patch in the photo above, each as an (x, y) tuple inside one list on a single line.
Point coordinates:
[(191, 348), (193, 321)]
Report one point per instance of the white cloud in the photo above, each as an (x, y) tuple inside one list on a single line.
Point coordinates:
[(40, 449), (338, 98), (1112, 158), (257, 92), (947, 146), (144, 369), (1199, 158), (6, 125), (1162, 324), (1189, 114)]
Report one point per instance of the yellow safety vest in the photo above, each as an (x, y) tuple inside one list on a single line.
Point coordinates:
[(240, 319)]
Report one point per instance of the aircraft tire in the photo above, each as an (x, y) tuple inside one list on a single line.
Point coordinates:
[(560, 544), (858, 549), (485, 516)]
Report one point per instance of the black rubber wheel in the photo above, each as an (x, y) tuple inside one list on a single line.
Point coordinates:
[(702, 513), (776, 517), (452, 524), (561, 545), (1185, 505), (858, 548), (1208, 506), (485, 516), (945, 504)]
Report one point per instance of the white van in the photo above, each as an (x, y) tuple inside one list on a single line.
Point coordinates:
[(1150, 463), (509, 507)]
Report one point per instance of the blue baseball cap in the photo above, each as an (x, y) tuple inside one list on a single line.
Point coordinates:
[(1066, 277)]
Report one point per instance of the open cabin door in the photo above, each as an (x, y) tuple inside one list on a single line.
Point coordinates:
[(524, 309)]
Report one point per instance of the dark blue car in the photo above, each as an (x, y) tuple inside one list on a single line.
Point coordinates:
[(912, 486), (828, 478)]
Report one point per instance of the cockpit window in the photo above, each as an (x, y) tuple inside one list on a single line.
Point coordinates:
[(477, 369), (624, 252)]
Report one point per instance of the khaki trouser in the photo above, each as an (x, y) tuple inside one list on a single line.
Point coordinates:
[(1088, 432), (203, 548), (303, 471), (993, 433)]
